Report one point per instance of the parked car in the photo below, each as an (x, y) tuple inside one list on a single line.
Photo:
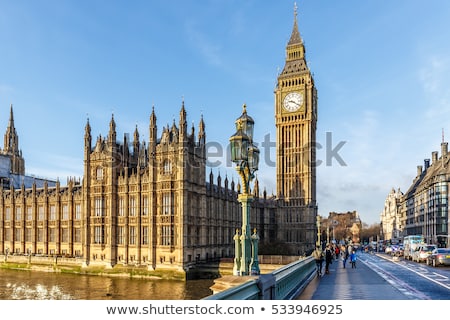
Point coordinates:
[(439, 256), (422, 252), (399, 251), (396, 250)]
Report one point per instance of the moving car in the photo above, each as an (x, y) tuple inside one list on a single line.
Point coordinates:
[(439, 256), (422, 252)]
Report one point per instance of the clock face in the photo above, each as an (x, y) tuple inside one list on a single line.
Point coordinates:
[(293, 101)]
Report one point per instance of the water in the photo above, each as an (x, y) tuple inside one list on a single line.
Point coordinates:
[(27, 285)]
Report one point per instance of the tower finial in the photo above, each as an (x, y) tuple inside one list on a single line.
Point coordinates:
[(295, 11), (443, 135)]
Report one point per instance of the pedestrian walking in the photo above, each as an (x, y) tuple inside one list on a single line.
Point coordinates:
[(353, 259), (345, 256), (328, 258), (318, 257)]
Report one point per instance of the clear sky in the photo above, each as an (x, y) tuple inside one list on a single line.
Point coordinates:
[(381, 69)]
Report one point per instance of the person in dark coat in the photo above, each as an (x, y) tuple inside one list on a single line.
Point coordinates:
[(328, 258)]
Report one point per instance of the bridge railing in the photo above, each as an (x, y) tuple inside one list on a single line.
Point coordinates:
[(285, 283)]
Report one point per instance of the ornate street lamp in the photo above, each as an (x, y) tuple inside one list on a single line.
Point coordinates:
[(246, 157), (318, 243)]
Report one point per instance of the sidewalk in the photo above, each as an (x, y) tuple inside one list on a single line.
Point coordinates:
[(361, 283)]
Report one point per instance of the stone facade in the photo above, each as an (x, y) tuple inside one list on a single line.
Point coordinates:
[(296, 125), (391, 225), (152, 205), (341, 227), (424, 207)]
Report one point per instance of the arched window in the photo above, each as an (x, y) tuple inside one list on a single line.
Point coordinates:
[(99, 173), (167, 167)]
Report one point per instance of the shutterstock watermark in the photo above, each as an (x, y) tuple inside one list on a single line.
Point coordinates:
[(217, 155)]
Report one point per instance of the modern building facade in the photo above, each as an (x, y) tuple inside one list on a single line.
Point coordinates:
[(152, 204)]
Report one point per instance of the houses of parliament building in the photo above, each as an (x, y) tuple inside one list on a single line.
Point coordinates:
[(154, 204)]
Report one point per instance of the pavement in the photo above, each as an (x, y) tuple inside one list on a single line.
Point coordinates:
[(360, 283)]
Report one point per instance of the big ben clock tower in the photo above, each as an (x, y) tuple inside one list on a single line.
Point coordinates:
[(296, 119)]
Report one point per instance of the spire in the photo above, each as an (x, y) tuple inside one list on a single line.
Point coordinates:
[(136, 142), (87, 129), (201, 132), (11, 139), (11, 116), (256, 188), (136, 135), (112, 130), (295, 52), (211, 177), (153, 118), (87, 135), (183, 122), (295, 35)]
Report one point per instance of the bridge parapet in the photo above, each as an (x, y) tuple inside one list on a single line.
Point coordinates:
[(285, 283)]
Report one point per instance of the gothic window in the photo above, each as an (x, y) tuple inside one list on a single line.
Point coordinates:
[(120, 235), (144, 235), (99, 173), (132, 238), (168, 203), (78, 211), (64, 235), (167, 235), (29, 213), (99, 209), (132, 206), (17, 234), (19, 213), (40, 235), (28, 234), (8, 213), (7, 234), (167, 167), (53, 213), (51, 235), (145, 206), (121, 206), (99, 235), (77, 235), (65, 212), (41, 213)]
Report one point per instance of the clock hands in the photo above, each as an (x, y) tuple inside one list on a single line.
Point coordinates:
[(294, 102)]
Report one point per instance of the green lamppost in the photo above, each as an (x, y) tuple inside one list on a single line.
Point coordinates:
[(246, 157)]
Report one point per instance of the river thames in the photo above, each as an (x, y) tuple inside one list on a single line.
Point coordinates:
[(32, 285)]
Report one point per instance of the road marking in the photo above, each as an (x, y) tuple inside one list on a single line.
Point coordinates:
[(407, 266), (400, 285)]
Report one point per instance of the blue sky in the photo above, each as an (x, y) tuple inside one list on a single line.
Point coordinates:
[(381, 69)]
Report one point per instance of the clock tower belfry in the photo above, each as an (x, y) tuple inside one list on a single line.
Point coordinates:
[(296, 122)]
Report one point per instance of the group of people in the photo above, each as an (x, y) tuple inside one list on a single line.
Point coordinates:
[(333, 252)]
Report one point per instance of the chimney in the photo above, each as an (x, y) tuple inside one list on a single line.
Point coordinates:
[(426, 163), (434, 157), (419, 170), (444, 149)]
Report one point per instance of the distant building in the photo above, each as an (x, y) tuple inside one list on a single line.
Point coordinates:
[(391, 216), (341, 227)]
